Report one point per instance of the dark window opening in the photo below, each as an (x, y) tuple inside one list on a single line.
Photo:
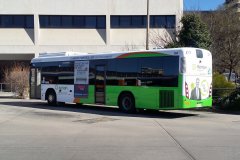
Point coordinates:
[(78, 21), (115, 21), (16, 21), (163, 21), (101, 22), (91, 22), (171, 21), (69, 21), (128, 21), (125, 21), (139, 21), (7, 21), (54, 21)]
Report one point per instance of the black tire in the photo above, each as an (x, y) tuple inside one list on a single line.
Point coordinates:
[(52, 98), (127, 103)]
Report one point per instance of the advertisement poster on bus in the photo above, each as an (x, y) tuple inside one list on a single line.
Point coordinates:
[(197, 87), (81, 72), (198, 77), (80, 90)]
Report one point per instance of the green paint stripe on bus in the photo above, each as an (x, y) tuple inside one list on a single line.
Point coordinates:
[(188, 103)]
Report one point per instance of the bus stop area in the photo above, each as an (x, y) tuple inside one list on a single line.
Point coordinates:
[(32, 130)]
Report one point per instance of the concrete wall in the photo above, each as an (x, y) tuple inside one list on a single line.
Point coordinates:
[(16, 36), (72, 37)]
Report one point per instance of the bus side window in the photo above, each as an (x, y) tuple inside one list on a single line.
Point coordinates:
[(92, 72), (199, 54), (126, 69), (49, 80), (138, 82), (121, 82), (160, 71)]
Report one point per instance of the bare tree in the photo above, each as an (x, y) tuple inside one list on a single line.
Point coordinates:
[(129, 47), (192, 33), (18, 77), (225, 32), (161, 39)]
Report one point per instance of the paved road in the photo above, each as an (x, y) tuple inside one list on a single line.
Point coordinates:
[(31, 130)]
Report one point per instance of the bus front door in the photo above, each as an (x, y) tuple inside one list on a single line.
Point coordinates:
[(100, 84), (35, 83)]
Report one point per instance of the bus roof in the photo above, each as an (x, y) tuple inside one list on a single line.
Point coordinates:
[(73, 56)]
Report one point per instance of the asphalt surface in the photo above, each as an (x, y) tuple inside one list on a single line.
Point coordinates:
[(31, 130)]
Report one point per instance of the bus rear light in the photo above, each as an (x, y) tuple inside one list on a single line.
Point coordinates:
[(186, 90), (210, 90)]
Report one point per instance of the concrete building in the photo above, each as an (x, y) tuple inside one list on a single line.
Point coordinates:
[(29, 27)]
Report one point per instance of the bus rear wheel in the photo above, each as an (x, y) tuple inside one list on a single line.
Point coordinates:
[(127, 103), (52, 98)]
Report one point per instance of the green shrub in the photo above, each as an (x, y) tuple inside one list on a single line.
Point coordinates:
[(225, 94), (219, 81), (221, 87)]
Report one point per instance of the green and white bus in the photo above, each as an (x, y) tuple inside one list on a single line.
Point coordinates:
[(162, 79)]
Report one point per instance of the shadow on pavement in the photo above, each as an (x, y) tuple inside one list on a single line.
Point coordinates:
[(225, 111), (218, 110), (98, 110)]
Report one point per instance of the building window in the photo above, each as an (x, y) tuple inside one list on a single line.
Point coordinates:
[(78, 22), (44, 21), (114, 21), (6, 21), (139, 21), (67, 21), (54, 21), (128, 21), (162, 21), (171, 21), (29, 21), (91, 22), (156, 21), (125, 21), (59, 21), (19, 21), (16, 21), (101, 22)]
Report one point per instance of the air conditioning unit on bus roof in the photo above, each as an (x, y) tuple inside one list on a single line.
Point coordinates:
[(60, 54)]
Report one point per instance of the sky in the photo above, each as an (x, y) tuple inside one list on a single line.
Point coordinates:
[(202, 4)]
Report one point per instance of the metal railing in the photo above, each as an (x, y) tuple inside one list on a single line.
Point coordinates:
[(221, 93)]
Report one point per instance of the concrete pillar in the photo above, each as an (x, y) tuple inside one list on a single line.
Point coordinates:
[(36, 34), (108, 25)]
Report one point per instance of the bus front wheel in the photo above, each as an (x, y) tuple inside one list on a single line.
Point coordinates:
[(52, 98), (127, 103)]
